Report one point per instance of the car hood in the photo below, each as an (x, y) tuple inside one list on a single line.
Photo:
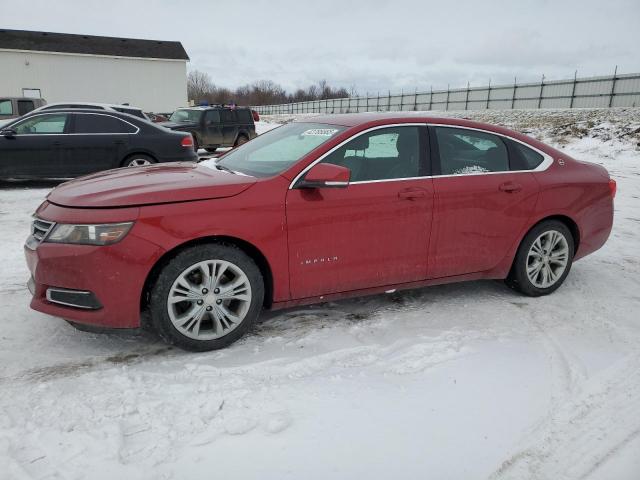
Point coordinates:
[(163, 183), (177, 125)]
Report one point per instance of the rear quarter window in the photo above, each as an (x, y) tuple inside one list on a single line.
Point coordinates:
[(523, 157), (244, 116)]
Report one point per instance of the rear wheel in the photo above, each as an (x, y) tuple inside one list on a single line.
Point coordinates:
[(138, 160), (212, 149), (196, 147), (207, 297), (241, 140), (543, 260)]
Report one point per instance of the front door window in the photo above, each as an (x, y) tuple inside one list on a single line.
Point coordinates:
[(382, 154), (42, 124)]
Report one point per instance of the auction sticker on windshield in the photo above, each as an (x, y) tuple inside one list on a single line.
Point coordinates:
[(321, 132)]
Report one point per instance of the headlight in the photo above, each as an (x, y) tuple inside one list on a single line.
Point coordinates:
[(105, 234)]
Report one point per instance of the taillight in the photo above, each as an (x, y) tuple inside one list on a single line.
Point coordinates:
[(187, 141), (613, 187)]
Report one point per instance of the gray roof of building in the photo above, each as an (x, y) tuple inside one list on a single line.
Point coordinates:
[(90, 44)]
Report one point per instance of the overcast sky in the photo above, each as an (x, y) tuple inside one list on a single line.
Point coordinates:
[(374, 45)]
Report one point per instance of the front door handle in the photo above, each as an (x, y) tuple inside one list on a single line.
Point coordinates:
[(57, 143), (412, 194), (510, 187)]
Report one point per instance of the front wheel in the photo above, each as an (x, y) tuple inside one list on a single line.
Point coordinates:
[(207, 297), (543, 260)]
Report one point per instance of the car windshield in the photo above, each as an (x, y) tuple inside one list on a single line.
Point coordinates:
[(185, 115), (276, 150)]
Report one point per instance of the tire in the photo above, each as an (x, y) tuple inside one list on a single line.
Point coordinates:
[(198, 322), (536, 271), (196, 147), (138, 160), (241, 140), (212, 150)]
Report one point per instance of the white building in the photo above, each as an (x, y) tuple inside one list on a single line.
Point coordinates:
[(60, 67)]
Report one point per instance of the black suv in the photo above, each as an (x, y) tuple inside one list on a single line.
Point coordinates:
[(214, 127)]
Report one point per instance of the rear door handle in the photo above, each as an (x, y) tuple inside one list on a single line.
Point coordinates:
[(57, 143), (412, 194), (510, 187), (118, 142)]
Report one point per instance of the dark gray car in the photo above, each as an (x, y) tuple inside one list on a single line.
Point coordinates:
[(72, 142), (214, 127)]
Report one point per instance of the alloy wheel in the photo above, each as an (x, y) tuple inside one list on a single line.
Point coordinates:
[(547, 259), (209, 299), (138, 162)]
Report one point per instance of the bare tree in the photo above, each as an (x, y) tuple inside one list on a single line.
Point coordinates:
[(199, 86)]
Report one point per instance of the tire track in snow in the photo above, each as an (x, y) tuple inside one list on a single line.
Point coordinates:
[(586, 430), (589, 419)]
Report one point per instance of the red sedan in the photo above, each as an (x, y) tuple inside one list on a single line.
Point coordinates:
[(317, 210)]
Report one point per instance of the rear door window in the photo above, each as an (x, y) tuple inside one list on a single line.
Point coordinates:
[(228, 116), (25, 106), (90, 123), (464, 152), (212, 117)]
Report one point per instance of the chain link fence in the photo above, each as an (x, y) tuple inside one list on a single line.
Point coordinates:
[(589, 92)]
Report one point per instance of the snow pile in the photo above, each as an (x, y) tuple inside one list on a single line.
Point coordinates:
[(457, 381)]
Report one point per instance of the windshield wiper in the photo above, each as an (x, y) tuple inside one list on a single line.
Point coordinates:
[(226, 169)]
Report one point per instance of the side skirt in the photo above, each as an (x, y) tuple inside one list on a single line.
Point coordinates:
[(491, 274)]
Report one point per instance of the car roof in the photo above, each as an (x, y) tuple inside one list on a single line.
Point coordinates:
[(212, 107), (94, 104), (363, 121), (81, 110), (376, 118)]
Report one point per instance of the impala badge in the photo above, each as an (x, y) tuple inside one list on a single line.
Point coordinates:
[(312, 261)]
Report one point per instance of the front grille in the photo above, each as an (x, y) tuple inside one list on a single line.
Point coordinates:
[(41, 228)]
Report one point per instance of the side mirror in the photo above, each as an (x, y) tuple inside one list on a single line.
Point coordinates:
[(323, 175), (8, 133)]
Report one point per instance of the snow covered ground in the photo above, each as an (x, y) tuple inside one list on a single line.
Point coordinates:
[(467, 381)]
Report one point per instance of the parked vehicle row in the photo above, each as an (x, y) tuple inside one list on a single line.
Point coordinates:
[(341, 206), (87, 137), (69, 142)]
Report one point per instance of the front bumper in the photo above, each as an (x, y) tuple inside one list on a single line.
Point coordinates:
[(114, 275)]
